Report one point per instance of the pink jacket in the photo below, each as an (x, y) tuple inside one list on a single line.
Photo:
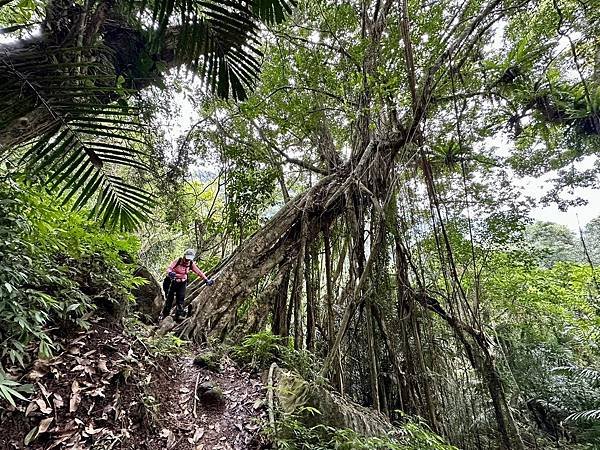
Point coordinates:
[(181, 270)]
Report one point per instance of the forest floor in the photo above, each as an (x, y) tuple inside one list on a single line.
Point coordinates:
[(109, 390)]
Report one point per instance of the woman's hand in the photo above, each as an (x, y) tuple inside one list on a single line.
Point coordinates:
[(210, 282)]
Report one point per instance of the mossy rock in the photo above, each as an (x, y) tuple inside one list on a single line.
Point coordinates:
[(295, 394), (208, 360), (210, 394)]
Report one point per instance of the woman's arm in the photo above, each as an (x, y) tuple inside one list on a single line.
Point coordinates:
[(198, 272)]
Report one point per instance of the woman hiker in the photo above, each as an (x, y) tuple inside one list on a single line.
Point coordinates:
[(176, 281)]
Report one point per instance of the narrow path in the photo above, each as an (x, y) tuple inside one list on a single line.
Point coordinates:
[(233, 424)]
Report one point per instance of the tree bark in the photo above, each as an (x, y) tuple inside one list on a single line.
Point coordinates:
[(281, 238), (45, 72)]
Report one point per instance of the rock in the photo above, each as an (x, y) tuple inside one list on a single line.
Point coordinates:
[(149, 298), (208, 360), (295, 394), (165, 325), (211, 394)]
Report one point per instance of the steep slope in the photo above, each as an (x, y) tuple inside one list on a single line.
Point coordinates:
[(110, 389)]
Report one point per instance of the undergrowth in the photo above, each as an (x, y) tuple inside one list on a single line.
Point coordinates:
[(259, 350), (289, 433), (56, 268), (166, 346)]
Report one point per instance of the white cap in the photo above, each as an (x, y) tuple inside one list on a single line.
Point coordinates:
[(190, 253)]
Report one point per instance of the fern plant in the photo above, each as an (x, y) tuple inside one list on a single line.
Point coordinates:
[(585, 375)]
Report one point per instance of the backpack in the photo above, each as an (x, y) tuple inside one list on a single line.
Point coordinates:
[(180, 263)]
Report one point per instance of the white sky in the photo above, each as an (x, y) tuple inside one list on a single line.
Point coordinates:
[(575, 216)]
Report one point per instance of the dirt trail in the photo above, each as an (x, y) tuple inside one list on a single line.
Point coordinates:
[(231, 425), (106, 391)]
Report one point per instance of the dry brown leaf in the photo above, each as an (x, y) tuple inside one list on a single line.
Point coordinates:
[(102, 365), (44, 391), (40, 369), (90, 430), (31, 408), (59, 441), (44, 424), (58, 401), (165, 433), (75, 397), (98, 392), (44, 408), (74, 350), (198, 435)]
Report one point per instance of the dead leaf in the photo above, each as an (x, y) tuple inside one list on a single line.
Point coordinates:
[(98, 392), (31, 408), (31, 436), (44, 391), (90, 430), (44, 424), (59, 441), (102, 366), (74, 350), (44, 408), (58, 401), (165, 433), (198, 435), (40, 369), (75, 397)]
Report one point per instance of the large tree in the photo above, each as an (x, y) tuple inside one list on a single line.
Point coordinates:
[(366, 99)]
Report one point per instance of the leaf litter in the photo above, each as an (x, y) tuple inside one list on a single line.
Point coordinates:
[(106, 392)]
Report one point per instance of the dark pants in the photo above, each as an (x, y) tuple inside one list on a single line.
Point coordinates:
[(175, 289)]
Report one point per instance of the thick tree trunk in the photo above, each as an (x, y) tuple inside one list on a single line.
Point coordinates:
[(281, 238), (45, 72)]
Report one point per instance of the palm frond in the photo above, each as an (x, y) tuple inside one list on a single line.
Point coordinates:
[(87, 130), (583, 374), (272, 11), (89, 135), (218, 40), (591, 415)]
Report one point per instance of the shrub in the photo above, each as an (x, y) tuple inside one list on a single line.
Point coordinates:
[(290, 433), (259, 350), (55, 267)]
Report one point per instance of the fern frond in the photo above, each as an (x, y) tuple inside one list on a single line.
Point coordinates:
[(584, 374)]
